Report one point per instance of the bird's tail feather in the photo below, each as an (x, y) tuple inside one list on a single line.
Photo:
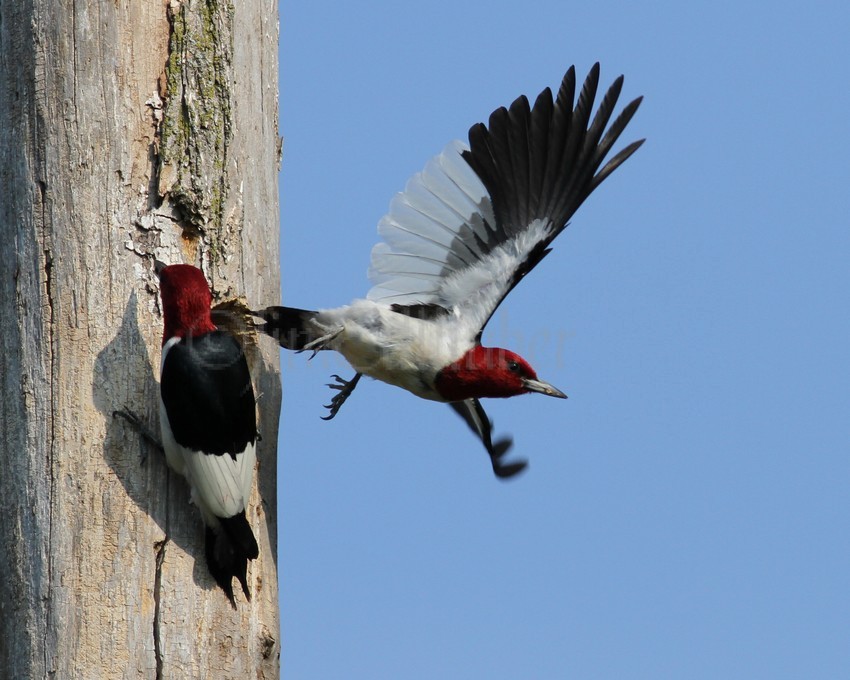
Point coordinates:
[(288, 325), (228, 549)]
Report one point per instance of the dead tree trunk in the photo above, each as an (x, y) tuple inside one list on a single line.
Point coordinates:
[(131, 129)]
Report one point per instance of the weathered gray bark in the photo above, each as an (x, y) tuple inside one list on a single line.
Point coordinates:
[(131, 129)]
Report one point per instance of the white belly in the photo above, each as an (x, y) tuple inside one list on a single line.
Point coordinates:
[(392, 347)]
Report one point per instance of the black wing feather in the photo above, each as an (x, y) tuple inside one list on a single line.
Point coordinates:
[(541, 163), (557, 135), (519, 117), (428, 311), (207, 392)]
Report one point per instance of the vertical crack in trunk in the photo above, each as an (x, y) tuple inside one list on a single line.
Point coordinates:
[(49, 344), (157, 586)]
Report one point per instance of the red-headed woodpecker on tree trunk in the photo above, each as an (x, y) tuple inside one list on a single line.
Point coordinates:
[(208, 420), (464, 232)]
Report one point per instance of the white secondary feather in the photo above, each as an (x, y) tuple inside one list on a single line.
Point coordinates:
[(476, 291), (432, 252), (219, 482)]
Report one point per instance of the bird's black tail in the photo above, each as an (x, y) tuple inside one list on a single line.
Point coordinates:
[(288, 325), (228, 549)]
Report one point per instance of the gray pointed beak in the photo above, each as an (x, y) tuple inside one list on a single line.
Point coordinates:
[(543, 388), (158, 266)]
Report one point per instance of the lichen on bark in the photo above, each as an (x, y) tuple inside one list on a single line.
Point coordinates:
[(197, 124)]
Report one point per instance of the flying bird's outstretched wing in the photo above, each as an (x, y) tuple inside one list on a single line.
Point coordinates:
[(477, 219)]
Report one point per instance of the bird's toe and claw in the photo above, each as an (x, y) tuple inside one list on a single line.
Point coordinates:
[(345, 387)]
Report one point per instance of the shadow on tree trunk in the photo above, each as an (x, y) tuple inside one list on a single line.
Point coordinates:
[(124, 379)]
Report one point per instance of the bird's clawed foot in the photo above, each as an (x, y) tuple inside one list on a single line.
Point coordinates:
[(142, 429), (497, 452), (345, 387)]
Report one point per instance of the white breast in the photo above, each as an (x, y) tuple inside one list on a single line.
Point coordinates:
[(392, 347)]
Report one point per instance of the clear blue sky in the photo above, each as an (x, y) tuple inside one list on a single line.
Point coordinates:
[(686, 513)]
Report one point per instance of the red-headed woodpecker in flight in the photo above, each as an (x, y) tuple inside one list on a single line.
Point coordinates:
[(208, 420), (464, 232)]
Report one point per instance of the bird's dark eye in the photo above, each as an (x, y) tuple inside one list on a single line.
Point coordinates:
[(513, 366)]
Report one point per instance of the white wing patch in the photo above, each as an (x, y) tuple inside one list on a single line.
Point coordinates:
[(440, 205), (434, 236), (477, 291), (220, 484)]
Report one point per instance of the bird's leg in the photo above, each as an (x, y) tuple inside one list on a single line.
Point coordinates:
[(321, 343), (502, 470), (142, 429), (345, 387)]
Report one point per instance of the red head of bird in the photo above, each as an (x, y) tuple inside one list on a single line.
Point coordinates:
[(186, 301), (490, 372)]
